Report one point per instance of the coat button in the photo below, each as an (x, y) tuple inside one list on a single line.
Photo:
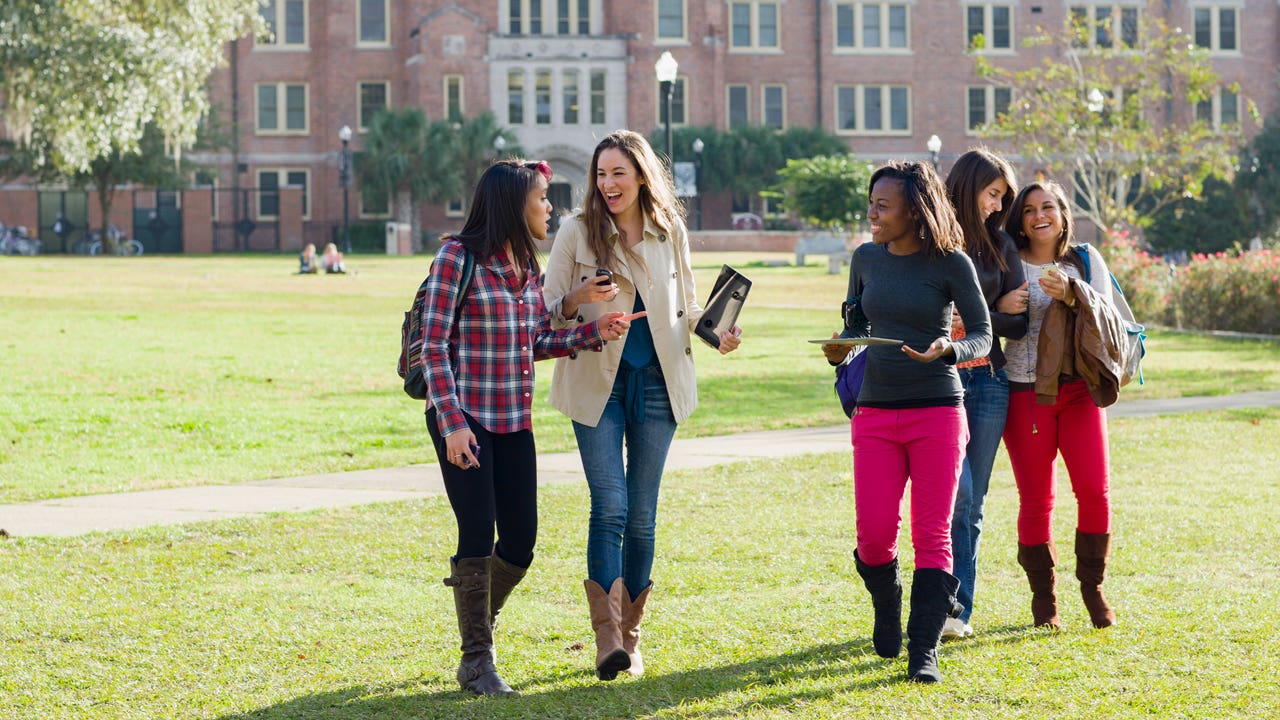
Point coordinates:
[(662, 238), (579, 318), (679, 313), (673, 276), (688, 351), (573, 355)]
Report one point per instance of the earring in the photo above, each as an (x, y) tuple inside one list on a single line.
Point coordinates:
[(921, 233)]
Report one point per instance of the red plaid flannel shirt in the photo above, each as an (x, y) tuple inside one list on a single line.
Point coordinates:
[(483, 364)]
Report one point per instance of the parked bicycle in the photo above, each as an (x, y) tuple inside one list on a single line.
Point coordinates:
[(14, 240), (91, 243)]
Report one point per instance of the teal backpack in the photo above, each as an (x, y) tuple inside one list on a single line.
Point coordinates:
[(1135, 346)]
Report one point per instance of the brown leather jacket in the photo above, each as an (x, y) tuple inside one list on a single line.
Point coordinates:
[(1084, 342)]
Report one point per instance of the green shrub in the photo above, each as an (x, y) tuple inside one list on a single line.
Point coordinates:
[(1146, 279), (1238, 292)]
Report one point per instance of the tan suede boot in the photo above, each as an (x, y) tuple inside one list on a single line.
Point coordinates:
[(606, 619), (632, 615)]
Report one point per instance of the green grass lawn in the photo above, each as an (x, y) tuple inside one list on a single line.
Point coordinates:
[(756, 611), (135, 373)]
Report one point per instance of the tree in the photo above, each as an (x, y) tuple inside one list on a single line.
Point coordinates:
[(82, 79), (828, 191), (1105, 117), (473, 149), (409, 160)]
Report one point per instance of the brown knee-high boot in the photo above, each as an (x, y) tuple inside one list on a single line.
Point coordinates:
[(1091, 567), (470, 583), (1038, 562), (632, 615), (606, 621), (505, 577)]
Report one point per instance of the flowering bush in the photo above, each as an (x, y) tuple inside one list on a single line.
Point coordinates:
[(1220, 291)]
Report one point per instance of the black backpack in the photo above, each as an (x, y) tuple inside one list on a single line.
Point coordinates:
[(413, 335)]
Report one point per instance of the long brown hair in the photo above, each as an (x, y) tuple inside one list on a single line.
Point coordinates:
[(1013, 223), (971, 174), (657, 196), (927, 200)]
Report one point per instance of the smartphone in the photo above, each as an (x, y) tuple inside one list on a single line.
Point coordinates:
[(604, 277), (1049, 270), (475, 450)]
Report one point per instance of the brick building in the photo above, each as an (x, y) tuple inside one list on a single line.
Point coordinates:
[(883, 74)]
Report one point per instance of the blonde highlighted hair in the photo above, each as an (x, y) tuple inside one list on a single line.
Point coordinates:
[(657, 197)]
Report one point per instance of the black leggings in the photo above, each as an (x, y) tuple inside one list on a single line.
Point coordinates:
[(503, 491)]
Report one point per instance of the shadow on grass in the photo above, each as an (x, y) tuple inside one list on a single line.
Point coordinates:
[(813, 674)]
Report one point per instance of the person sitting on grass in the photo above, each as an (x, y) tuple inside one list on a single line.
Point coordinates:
[(332, 260), (307, 260)]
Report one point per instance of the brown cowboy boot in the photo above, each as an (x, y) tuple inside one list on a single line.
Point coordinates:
[(632, 614), (1038, 562), (1091, 567), (606, 618)]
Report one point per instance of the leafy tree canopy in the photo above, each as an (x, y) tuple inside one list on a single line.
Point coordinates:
[(82, 79), (1119, 125), (828, 191)]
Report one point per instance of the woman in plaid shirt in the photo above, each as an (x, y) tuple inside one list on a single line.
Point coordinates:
[(483, 335)]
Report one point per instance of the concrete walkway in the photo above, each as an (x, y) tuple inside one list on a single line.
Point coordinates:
[(122, 511)]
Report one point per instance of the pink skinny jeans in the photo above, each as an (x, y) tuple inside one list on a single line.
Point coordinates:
[(923, 444), (1034, 435)]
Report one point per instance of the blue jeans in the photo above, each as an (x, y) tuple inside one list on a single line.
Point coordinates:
[(624, 499), (986, 402)]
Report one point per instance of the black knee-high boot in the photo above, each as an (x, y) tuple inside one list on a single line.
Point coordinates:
[(885, 586), (933, 600)]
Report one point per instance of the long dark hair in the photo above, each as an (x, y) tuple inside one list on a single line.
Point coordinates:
[(928, 205), (657, 193), (971, 174), (497, 214), (1013, 223)]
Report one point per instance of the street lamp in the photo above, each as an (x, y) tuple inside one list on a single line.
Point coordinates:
[(698, 146), (935, 146), (499, 144), (665, 69), (344, 180)]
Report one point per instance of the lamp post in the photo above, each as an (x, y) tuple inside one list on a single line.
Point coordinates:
[(935, 146), (499, 144), (665, 69), (344, 180), (698, 146)]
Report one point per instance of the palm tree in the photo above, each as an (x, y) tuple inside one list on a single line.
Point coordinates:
[(411, 161), (474, 147)]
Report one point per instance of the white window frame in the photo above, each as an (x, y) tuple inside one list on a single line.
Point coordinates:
[(515, 74), (282, 109), (386, 25), (1216, 101), (360, 119), (856, 9), (282, 181), (576, 8), (278, 42), (754, 27), (576, 74), (886, 110), (728, 106), (599, 98), (462, 95), (988, 27), (680, 90), (988, 105), (1215, 26), (544, 92), (1117, 22), (683, 37), (455, 208), (764, 104)]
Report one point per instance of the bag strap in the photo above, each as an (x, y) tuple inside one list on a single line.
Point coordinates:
[(1083, 249)]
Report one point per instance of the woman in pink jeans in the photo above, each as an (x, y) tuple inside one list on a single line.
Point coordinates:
[(910, 420)]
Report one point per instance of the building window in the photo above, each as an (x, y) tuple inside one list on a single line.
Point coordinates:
[(373, 22), (573, 17), (525, 17), (269, 184), (985, 104), (542, 97), (1100, 25), (570, 92), (282, 109), (597, 97), (873, 109), (678, 104), (871, 26), (992, 23), (454, 208), (773, 101), (374, 96), (515, 97), (754, 25), (739, 96), (671, 14), (286, 21), (453, 99), (1217, 28), (1222, 110)]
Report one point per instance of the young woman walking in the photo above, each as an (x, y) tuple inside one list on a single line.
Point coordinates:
[(484, 330), (634, 393)]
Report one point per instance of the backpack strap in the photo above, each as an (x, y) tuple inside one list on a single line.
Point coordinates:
[(1083, 250)]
